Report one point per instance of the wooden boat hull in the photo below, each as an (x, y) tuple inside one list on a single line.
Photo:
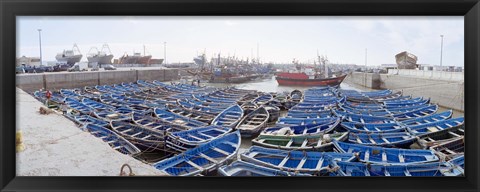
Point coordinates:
[(242, 168), (310, 82), (318, 142), (184, 140), (387, 156), (253, 123), (112, 139), (203, 159), (293, 161)]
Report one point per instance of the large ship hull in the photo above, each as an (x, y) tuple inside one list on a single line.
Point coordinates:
[(282, 80), (135, 59), (69, 60), (107, 59), (406, 60)]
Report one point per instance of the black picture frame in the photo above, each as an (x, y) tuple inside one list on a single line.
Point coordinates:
[(470, 9)]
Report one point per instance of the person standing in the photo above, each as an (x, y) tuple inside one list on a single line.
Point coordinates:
[(63, 107), (48, 94)]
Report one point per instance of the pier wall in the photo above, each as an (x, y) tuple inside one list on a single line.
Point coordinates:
[(446, 93), (137, 65), (441, 75), (68, 80)]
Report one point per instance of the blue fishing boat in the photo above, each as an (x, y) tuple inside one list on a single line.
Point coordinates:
[(191, 114), (313, 108), (302, 121), (341, 168), (249, 97), (399, 98), (146, 84), (417, 113), (112, 139), (394, 96), (428, 119), (183, 140), (394, 139), (377, 93), (443, 125), (326, 126), (253, 123), (229, 117), (242, 168), (108, 100), (373, 127), (78, 106), (315, 114), (293, 161), (404, 109), (387, 156), (177, 119), (96, 105), (145, 139), (203, 109), (70, 93), (158, 125), (204, 159), (108, 115), (377, 113), (458, 166), (87, 119), (263, 99), (406, 103), (363, 118)]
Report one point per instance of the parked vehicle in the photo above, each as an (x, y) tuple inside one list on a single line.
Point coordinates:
[(109, 67)]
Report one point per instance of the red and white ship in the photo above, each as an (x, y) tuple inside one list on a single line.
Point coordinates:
[(310, 76)]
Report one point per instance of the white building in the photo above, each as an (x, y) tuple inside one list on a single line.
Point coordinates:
[(29, 61)]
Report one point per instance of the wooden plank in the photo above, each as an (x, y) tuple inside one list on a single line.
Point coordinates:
[(367, 155), (284, 161), (221, 151), (302, 162), (195, 165), (400, 157), (208, 158)]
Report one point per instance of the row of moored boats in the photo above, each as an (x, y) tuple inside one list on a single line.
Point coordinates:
[(325, 131)]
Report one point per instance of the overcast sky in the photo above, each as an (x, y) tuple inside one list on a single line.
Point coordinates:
[(280, 39)]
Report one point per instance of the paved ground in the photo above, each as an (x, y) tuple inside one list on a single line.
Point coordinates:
[(55, 146)]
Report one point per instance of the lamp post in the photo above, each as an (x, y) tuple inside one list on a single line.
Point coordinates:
[(40, 43), (165, 52), (441, 51)]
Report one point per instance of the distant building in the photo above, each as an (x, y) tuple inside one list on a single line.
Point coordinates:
[(388, 66), (425, 67), (29, 61)]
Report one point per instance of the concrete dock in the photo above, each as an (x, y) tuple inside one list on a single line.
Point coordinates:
[(55, 146), (67, 80), (443, 88)]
